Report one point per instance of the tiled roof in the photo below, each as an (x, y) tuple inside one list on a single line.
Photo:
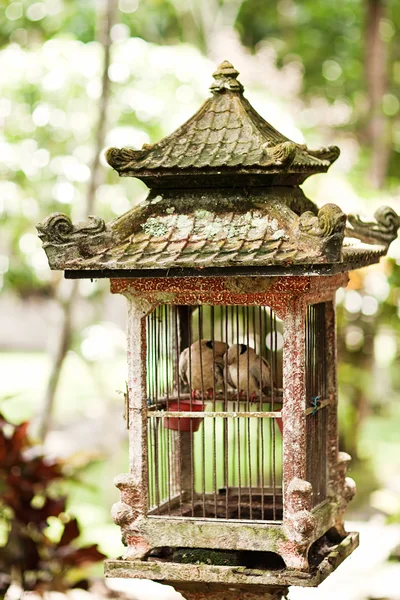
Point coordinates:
[(181, 228), (224, 193), (225, 132), (201, 238)]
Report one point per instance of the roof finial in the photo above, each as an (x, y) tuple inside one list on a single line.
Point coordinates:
[(226, 79)]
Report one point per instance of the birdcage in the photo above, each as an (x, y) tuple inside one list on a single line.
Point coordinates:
[(214, 396), (230, 272)]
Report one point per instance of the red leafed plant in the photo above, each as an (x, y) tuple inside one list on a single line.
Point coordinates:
[(27, 500)]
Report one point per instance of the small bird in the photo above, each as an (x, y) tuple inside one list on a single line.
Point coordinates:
[(201, 364), (246, 371)]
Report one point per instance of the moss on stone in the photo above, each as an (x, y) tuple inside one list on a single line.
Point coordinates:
[(155, 227), (201, 556)]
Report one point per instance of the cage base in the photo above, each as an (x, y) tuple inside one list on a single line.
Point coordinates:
[(263, 506), (181, 574)]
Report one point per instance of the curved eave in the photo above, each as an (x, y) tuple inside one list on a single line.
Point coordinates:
[(191, 177)]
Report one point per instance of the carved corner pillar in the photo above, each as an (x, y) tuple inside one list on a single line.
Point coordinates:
[(129, 512), (345, 489), (299, 524), (294, 394)]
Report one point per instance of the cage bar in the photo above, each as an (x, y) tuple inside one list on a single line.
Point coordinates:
[(224, 459), (317, 401)]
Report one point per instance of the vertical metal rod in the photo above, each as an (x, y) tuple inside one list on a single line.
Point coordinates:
[(153, 399), (167, 354), (149, 437), (262, 342), (212, 315), (191, 422), (150, 463), (178, 388), (257, 428), (317, 338), (267, 323), (159, 472), (161, 446), (310, 391), (154, 349), (308, 367), (226, 423), (203, 435), (233, 428), (248, 408), (156, 461), (274, 345), (314, 395), (238, 420)]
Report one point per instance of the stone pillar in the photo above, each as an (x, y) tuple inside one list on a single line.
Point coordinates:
[(133, 486), (298, 522), (294, 394), (196, 591)]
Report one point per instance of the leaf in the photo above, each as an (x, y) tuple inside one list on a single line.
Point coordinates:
[(20, 437), (71, 532), (28, 514), (75, 557)]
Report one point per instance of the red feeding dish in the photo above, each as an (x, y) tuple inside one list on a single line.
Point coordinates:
[(183, 423)]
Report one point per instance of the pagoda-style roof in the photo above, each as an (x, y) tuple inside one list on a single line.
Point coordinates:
[(247, 214), (174, 230), (226, 136)]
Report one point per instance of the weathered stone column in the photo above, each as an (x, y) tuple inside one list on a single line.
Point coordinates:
[(294, 394), (225, 592), (133, 485), (298, 522)]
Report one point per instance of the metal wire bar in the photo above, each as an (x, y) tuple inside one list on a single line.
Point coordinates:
[(317, 402), (203, 439), (262, 342), (238, 423), (165, 337), (212, 316), (178, 389), (185, 473), (191, 422), (248, 408), (225, 422), (274, 344), (151, 463), (220, 414)]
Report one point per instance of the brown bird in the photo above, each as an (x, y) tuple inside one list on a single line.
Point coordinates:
[(201, 365), (246, 371)]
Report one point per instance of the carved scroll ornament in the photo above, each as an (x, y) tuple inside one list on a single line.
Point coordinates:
[(382, 231), (65, 243), (57, 228)]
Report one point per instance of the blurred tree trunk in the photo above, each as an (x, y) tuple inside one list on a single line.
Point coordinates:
[(376, 78), (107, 12)]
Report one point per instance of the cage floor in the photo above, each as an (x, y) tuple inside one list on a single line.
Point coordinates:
[(175, 574), (232, 506)]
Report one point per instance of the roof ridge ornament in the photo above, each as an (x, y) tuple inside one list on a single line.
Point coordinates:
[(226, 79)]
